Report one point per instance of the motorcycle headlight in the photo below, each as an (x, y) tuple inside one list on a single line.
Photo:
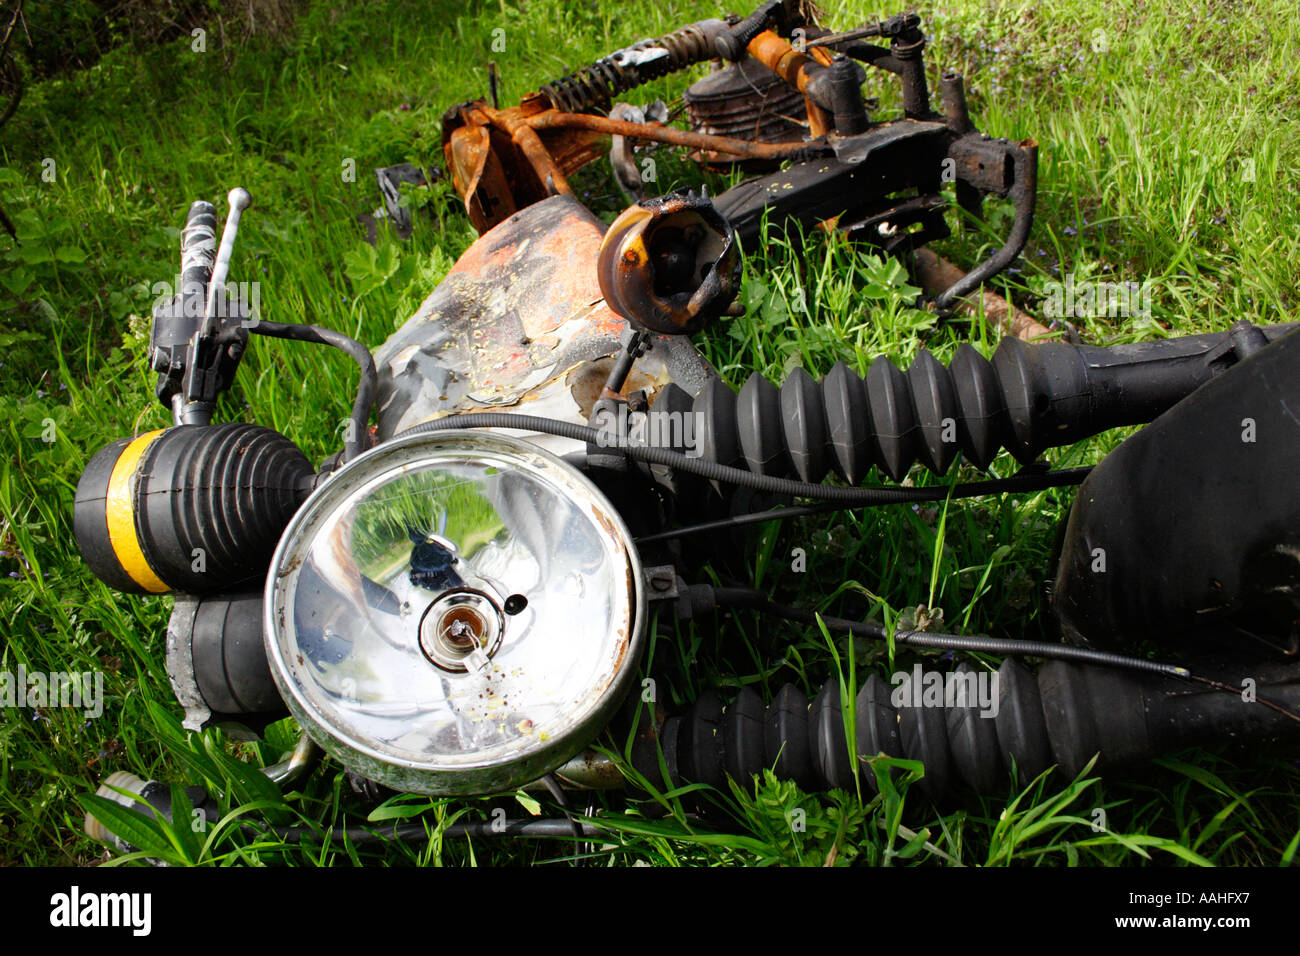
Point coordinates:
[(454, 613)]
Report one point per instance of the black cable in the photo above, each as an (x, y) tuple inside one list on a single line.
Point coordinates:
[(775, 514), (1228, 688), (756, 600), (970, 489), (745, 597), (366, 388), (861, 497), (754, 517)]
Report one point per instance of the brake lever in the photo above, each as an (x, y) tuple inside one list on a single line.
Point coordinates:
[(197, 339)]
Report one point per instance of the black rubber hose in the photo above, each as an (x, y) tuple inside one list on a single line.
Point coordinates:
[(366, 388), (756, 600), (1024, 398), (966, 725), (862, 497)]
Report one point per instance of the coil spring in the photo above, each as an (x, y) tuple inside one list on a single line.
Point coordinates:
[(593, 88), (889, 418), (807, 743)]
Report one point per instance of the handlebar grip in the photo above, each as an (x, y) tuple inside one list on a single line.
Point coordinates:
[(198, 248)]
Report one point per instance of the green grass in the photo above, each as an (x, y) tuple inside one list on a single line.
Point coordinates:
[(1147, 151)]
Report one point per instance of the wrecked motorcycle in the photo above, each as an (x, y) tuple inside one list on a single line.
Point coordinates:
[(459, 601)]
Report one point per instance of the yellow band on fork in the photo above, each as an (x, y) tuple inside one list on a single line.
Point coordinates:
[(119, 509)]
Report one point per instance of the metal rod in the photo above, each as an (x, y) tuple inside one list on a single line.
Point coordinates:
[(666, 134), (299, 761), (239, 200), (1022, 196)]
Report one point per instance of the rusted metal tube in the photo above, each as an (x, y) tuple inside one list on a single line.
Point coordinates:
[(955, 110), (916, 96), (791, 65), (782, 59), (543, 164), (666, 134)]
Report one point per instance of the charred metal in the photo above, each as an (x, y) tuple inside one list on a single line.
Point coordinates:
[(879, 181)]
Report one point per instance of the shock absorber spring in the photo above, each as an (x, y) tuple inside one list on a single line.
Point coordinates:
[(1028, 397), (592, 88), (966, 727)]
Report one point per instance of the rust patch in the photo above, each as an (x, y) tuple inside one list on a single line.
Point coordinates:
[(518, 296), (504, 160), (586, 380)]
